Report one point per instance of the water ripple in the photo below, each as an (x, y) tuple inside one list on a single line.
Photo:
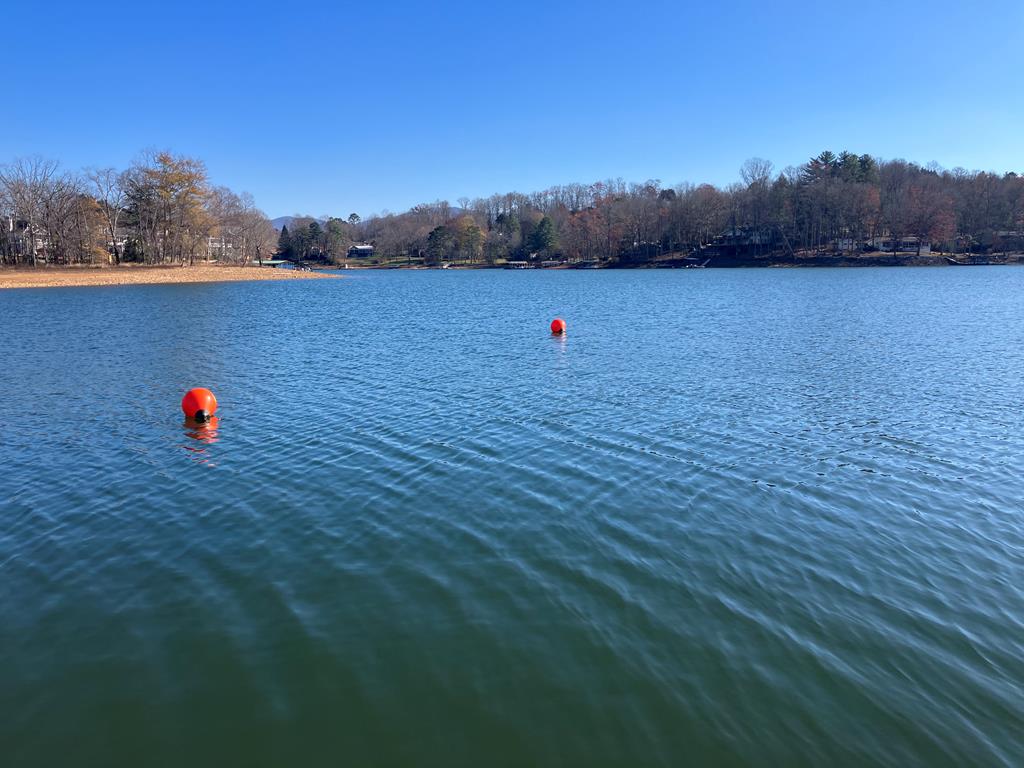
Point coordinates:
[(782, 528)]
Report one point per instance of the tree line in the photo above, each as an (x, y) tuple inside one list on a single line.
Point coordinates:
[(164, 210), (161, 210), (833, 202), (310, 239)]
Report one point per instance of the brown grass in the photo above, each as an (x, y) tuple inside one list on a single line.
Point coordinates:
[(61, 277)]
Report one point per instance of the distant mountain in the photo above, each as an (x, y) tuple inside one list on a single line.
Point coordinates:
[(286, 221)]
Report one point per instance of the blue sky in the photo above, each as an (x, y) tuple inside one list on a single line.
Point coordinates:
[(330, 108)]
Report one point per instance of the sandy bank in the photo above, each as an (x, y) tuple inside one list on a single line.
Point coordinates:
[(62, 277)]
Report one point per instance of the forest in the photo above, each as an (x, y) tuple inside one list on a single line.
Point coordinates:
[(832, 203), (164, 210)]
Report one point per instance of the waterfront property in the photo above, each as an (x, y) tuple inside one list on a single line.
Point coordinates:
[(360, 251), (906, 244)]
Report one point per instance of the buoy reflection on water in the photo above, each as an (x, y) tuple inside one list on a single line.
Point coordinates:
[(205, 433)]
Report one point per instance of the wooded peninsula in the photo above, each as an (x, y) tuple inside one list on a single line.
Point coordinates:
[(834, 209)]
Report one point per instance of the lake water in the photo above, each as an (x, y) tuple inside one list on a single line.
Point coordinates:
[(758, 517)]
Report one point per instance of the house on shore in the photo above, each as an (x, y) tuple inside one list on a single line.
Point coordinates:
[(220, 248), (888, 244), (360, 251), (739, 243)]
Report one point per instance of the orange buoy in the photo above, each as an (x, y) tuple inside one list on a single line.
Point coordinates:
[(558, 326), (199, 404)]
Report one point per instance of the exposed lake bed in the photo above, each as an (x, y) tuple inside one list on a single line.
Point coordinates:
[(732, 516), (72, 277)]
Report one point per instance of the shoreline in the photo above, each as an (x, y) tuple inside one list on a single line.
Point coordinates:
[(76, 277), (13, 278), (727, 262)]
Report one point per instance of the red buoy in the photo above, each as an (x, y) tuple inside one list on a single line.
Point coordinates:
[(199, 404), (558, 326)]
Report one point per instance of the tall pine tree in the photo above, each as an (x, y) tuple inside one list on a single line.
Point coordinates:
[(284, 243), (542, 239)]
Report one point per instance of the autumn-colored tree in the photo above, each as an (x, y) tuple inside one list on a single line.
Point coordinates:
[(930, 214), (166, 198), (468, 238), (164, 210)]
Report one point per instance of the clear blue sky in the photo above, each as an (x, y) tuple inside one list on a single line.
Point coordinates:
[(334, 107)]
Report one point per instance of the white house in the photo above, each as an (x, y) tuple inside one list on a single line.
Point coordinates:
[(908, 244)]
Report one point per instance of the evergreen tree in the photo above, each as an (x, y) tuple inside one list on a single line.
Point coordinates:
[(315, 237), (848, 166), (284, 243), (542, 239), (818, 168), (439, 243), (868, 170)]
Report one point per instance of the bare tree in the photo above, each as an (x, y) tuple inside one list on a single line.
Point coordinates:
[(28, 184), (108, 188)]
